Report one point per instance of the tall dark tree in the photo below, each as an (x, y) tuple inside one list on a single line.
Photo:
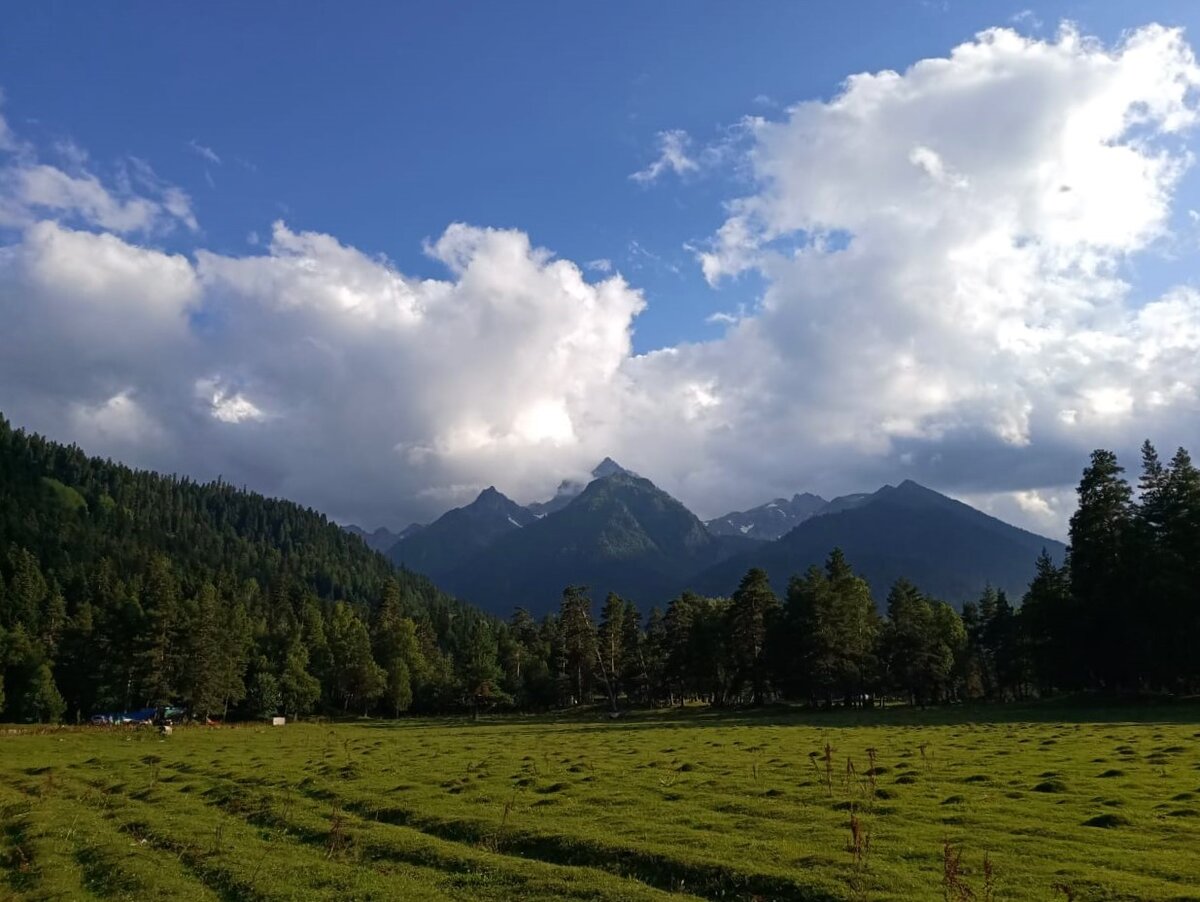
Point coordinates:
[(1050, 621), (479, 671), (611, 636), (396, 649), (201, 681), (579, 641), (916, 657), (752, 615), (832, 625), (158, 655), (1101, 560)]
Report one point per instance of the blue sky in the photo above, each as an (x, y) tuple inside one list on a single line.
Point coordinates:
[(905, 277), (381, 123)]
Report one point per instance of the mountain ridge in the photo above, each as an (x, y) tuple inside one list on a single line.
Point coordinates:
[(459, 533), (621, 533), (947, 548), (769, 521)]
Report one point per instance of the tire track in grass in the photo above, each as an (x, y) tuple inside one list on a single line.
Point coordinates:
[(327, 877), (443, 859), (114, 803), (218, 879), (654, 869), (16, 850), (86, 859), (111, 867), (651, 868)]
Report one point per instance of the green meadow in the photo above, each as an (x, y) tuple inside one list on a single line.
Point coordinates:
[(1047, 803)]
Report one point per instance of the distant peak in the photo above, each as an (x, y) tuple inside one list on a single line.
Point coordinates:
[(491, 496), (609, 467), (807, 496)]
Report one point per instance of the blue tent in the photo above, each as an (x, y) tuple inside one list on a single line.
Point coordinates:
[(142, 715)]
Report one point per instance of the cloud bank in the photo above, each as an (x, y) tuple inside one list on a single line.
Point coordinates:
[(946, 253)]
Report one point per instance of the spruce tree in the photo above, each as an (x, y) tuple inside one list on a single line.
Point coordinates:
[(1050, 623), (156, 639), (1179, 579), (610, 639), (579, 641), (478, 670), (1100, 565), (752, 615)]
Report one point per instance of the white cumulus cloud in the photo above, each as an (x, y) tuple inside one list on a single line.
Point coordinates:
[(946, 295)]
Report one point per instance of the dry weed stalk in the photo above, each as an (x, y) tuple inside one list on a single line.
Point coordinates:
[(338, 840), (860, 850), (954, 885)]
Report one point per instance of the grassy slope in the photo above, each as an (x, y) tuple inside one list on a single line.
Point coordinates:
[(686, 805)]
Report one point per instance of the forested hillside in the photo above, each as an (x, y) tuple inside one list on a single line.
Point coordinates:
[(124, 588)]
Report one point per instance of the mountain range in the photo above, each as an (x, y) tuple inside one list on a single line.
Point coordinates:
[(948, 549), (769, 521), (622, 533)]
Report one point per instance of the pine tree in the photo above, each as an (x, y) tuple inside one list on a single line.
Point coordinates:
[(263, 697), (479, 672), (1050, 622), (298, 689), (396, 649), (524, 631), (1179, 577), (579, 641), (832, 622), (42, 699), (915, 657), (79, 668), (201, 683), (26, 593), (611, 636), (677, 628), (633, 676), (1100, 562), (655, 656), (357, 678), (236, 642), (751, 616), (156, 654), (855, 626)]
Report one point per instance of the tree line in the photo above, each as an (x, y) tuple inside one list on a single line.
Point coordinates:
[(1120, 615), (122, 589)]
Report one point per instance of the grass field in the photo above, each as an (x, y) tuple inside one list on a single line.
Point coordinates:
[(1063, 803)]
